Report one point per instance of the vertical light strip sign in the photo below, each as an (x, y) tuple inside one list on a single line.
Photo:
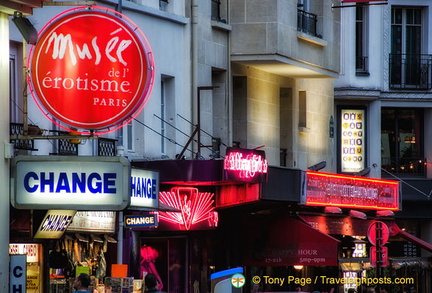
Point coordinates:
[(353, 142), (70, 183), (18, 273)]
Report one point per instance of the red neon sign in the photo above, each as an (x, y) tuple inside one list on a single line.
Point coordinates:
[(92, 68), (195, 207), (352, 192), (245, 165)]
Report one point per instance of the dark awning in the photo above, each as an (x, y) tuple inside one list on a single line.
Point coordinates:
[(197, 172), (286, 241), (354, 227), (396, 230)]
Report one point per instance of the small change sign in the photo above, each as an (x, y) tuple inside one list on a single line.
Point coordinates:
[(135, 221)]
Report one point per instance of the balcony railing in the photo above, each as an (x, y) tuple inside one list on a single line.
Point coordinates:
[(64, 147), (409, 166), (107, 147), (410, 71), (307, 23), (21, 144)]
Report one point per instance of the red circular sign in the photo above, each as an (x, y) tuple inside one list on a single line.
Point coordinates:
[(91, 68), (373, 231)]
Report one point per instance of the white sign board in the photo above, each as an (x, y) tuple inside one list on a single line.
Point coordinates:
[(18, 273), (144, 189), (70, 183), (31, 250), (93, 221)]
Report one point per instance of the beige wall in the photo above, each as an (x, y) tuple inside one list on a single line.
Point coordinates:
[(270, 27), (266, 112)]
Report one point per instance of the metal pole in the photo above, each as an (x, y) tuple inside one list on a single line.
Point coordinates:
[(120, 238), (379, 250), (199, 123)]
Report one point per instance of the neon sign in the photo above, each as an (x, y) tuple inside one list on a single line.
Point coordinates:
[(195, 208), (91, 68), (245, 165), (352, 192)]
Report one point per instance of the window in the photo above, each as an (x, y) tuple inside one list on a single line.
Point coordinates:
[(15, 76), (163, 4), (303, 5), (167, 116), (13, 89), (219, 10), (302, 109), (307, 21), (286, 127), (408, 67), (130, 136), (401, 141), (361, 47), (163, 115), (215, 10), (406, 31)]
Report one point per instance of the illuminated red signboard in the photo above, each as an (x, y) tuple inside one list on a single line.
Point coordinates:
[(196, 209), (323, 189), (92, 68), (245, 165)]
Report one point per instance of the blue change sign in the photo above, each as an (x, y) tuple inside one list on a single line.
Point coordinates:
[(144, 189), (73, 183)]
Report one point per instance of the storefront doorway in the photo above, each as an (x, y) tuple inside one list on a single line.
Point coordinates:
[(166, 257)]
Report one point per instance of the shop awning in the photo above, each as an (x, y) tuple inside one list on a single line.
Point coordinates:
[(355, 227), (286, 241), (199, 172)]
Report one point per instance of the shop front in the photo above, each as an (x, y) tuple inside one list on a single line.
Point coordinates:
[(182, 249), (284, 228), (307, 230), (64, 217), (177, 244), (351, 210)]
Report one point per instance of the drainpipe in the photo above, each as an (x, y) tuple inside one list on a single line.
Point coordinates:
[(228, 94), (120, 153), (194, 68)]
